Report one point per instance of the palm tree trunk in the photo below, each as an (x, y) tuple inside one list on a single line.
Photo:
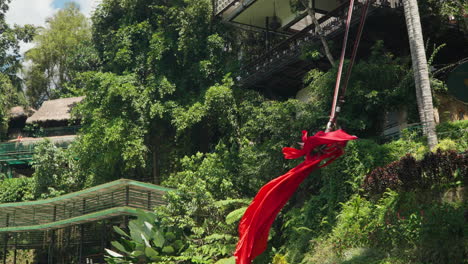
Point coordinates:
[(410, 29), (420, 70), (318, 30)]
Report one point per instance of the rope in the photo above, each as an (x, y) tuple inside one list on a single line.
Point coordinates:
[(336, 105), (357, 41), (340, 67)]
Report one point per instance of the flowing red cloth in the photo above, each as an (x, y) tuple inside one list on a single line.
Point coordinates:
[(257, 220)]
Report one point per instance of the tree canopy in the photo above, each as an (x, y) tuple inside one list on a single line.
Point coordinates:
[(11, 86), (62, 49), (162, 104)]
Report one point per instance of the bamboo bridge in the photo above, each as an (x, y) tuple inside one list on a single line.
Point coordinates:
[(65, 224)]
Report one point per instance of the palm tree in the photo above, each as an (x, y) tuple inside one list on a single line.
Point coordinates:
[(420, 70)]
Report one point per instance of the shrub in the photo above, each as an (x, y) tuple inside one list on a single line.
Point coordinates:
[(435, 169), (456, 131), (406, 225), (55, 171), (16, 190)]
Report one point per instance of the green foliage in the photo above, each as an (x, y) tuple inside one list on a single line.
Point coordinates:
[(157, 93), (146, 242), (456, 131), (16, 190), (62, 49), (454, 8), (11, 36), (159, 101), (11, 93), (200, 205), (313, 214), (447, 144), (403, 224), (115, 118), (9, 97), (55, 171), (409, 143), (377, 85), (167, 40), (279, 259)]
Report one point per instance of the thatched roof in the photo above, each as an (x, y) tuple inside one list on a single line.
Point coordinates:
[(55, 110), (19, 111)]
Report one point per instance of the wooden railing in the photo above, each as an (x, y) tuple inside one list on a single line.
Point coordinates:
[(290, 49), (221, 5), (22, 151), (85, 206)]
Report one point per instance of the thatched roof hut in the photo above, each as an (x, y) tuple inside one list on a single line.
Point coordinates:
[(20, 112), (55, 110)]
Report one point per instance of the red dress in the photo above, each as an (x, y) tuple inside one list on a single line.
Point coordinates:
[(257, 220)]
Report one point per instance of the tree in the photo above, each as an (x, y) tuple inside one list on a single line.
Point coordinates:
[(159, 57), (7, 100), (10, 38), (10, 84), (57, 55), (55, 171), (420, 69)]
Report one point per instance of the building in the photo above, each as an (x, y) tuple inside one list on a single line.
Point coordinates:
[(277, 34), (28, 127), (72, 228)]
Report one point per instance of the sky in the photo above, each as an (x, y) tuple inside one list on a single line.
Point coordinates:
[(36, 11)]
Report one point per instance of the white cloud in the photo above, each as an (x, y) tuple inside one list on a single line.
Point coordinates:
[(35, 12), (29, 12)]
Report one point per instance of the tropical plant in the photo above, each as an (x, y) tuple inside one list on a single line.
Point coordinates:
[(147, 241)]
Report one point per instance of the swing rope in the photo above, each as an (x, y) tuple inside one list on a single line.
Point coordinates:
[(256, 222), (338, 100)]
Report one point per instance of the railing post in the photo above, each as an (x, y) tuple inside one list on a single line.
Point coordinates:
[(5, 249), (34, 215), (15, 251), (80, 254), (52, 237), (55, 214), (127, 195), (51, 247), (149, 200)]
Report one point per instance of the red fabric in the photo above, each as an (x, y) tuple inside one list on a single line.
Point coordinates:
[(257, 220)]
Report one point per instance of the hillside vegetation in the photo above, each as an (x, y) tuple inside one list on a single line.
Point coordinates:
[(162, 105)]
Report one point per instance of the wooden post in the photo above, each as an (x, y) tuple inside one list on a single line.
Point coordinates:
[(84, 206), (103, 235), (51, 246), (80, 255), (54, 217), (5, 248), (149, 200), (16, 245), (127, 195), (34, 215)]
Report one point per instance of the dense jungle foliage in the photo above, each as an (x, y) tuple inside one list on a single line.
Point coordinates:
[(162, 105)]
